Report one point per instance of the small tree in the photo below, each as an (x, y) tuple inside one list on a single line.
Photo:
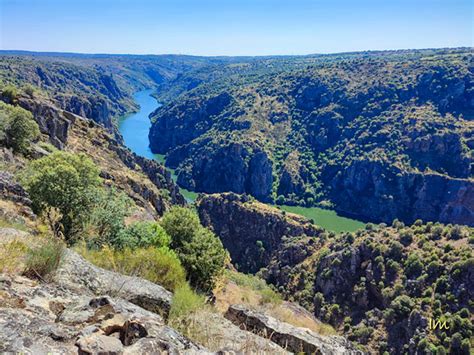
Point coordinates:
[(180, 223), (10, 93), (66, 182), (107, 219), (200, 251), (203, 258), (18, 128)]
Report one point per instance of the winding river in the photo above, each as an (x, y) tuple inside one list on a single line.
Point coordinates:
[(135, 127)]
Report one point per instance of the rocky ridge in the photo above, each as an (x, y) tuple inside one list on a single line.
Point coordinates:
[(379, 285), (249, 230)]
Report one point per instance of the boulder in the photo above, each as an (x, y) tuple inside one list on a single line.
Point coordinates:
[(294, 339), (77, 274)]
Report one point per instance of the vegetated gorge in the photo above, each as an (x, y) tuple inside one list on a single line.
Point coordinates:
[(104, 250)]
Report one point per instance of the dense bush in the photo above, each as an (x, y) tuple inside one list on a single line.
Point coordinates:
[(106, 222), (200, 251), (181, 225), (203, 258), (66, 183), (10, 94), (144, 234), (18, 129)]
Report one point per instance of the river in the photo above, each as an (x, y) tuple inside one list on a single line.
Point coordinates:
[(135, 127)]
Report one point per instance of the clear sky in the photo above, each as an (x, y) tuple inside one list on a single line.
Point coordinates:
[(233, 27)]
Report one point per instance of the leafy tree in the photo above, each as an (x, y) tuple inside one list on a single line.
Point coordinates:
[(66, 182), (17, 127), (402, 305), (413, 266), (10, 93), (181, 224), (203, 258), (201, 252), (107, 220)]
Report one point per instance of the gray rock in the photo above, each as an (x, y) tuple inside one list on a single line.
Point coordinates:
[(99, 344), (77, 274), (287, 336), (40, 318)]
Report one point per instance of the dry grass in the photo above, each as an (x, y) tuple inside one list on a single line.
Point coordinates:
[(236, 288), (208, 328), (12, 257)]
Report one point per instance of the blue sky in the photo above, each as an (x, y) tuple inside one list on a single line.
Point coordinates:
[(231, 27)]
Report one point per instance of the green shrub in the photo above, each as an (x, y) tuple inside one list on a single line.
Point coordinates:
[(402, 306), (200, 251), (41, 261), (158, 265), (185, 301), (203, 258), (106, 223), (67, 183), (10, 93), (180, 224), (413, 266), (17, 128), (143, 234)]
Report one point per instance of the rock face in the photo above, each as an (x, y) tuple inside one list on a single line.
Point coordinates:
[(250, 231), (43, 318), (172, 131), (294, 339), (234, 167), (77, 274), (52, 121), (384, 192), (12, 190)]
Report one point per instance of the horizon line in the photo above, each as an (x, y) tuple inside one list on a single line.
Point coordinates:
[(25, 51)]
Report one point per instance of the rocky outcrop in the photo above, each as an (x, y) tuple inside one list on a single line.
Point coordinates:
[(250, 231), (294, 339), (382, 192), (53, 122), (77, 274), (234, 167), (94, 108), (42, 318), (12, 190)]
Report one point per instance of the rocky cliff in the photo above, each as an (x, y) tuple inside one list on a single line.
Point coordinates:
[(372, 188), (252, 232)]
